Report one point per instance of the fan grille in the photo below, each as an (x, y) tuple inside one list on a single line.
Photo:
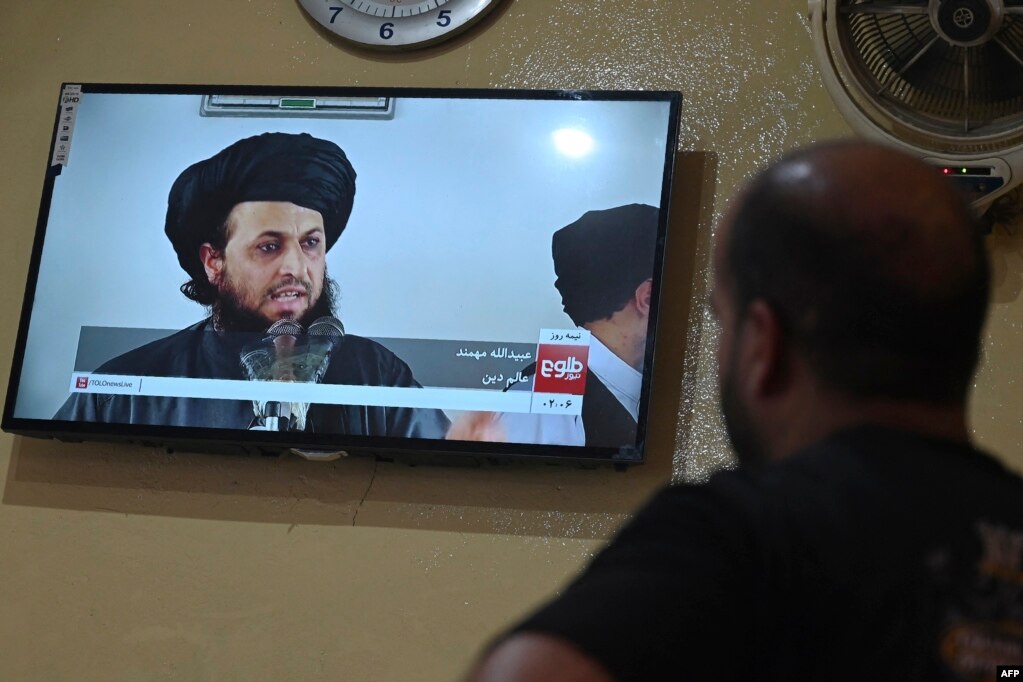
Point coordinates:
[(961, 99)]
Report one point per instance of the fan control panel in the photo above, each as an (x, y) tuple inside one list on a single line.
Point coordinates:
[(976, 178)]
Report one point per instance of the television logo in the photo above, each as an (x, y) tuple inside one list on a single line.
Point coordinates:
[(561, 369), (82, 382)]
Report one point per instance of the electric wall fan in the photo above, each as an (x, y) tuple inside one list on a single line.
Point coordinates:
[(942, 79)]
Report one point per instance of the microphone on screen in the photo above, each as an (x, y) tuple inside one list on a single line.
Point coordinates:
[(286, 366), (325, 334), (283, 335), (274, 359), (293, 354)]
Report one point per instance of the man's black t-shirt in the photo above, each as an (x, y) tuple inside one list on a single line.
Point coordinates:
[(874, 555)]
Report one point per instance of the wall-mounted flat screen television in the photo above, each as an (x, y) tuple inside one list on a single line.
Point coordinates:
[(369, 270)]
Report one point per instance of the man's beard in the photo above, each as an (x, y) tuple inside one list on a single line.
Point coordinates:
[(230, 315), (739, 425)]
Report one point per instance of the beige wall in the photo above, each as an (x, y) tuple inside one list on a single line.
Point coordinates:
[(130, 563)]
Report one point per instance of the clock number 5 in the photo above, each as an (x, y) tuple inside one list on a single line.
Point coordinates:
[(444, 18), (336, 11), (387, 30)]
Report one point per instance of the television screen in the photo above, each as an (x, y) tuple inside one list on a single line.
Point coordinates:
[(369, 270)]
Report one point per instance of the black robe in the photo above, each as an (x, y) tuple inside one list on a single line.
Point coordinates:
[(199, 352)]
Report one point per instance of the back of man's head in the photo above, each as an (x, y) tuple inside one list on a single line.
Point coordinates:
[(874, 265), (601, 258)]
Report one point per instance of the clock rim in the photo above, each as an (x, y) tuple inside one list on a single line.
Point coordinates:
[(444, 35)]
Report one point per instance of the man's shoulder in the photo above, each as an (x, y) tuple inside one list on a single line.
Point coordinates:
[(359, 360), (361, 343), (846, 469), (363, 350), (868, 454), (155, 354), (862, 481)]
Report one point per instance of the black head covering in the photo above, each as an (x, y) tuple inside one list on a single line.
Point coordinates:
[(300, 169), (601, 258)]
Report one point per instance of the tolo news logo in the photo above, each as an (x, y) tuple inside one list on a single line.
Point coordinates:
[(82, 382), (561, 360)]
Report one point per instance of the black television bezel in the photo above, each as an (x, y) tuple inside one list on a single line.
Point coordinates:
[(413, 449)]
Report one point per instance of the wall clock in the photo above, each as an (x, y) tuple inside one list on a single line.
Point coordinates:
[(397, 24)]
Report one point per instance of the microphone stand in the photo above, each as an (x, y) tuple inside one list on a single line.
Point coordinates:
[(286, 354)]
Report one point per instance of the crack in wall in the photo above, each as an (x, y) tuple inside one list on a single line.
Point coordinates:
[(365, 494)]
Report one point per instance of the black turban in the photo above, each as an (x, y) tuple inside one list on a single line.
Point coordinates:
[(300, 169), (601, 258)]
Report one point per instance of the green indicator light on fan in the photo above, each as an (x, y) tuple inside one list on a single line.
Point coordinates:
[(964, 170)]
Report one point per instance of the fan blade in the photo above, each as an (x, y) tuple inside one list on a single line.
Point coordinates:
[(905, 67), (1008, 50), (966, 92)]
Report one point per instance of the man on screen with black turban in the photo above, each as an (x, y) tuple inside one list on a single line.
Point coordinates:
[(251, 227), (604, 264)]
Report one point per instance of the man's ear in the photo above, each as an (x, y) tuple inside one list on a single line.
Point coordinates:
[(212, 262), (762, 345), (642, 297)]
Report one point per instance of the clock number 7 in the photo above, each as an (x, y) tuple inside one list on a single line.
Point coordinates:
[(336, 11), (444, 18)]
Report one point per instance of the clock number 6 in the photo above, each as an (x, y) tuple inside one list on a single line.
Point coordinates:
[(336, 11), (444, 18), (387, 31)]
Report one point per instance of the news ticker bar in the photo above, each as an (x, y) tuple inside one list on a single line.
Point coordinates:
[(329, 394)]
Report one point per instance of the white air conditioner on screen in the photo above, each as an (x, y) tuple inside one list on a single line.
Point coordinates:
[(941, 79)]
